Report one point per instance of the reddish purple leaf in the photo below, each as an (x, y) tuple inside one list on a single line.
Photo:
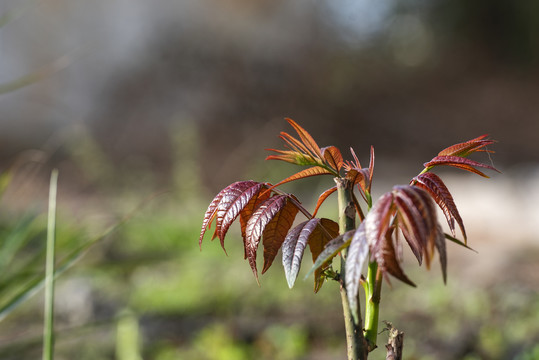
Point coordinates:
[(312, 171), (417, 216), (233, 203), (439, 192), (412, 230), (325, 231), (388, 261), (307, 139), (275, 232), (221, 204), (468, 147), (377, 221), (440, 246), (261, 224), (248, 211), (210, 214), (323, 198), (371, 169), (333, 157), (459, 162)]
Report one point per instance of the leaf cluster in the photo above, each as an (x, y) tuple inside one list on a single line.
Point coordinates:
[(406, 215)]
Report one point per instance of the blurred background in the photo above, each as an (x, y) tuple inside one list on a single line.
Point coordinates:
[(149, 108)]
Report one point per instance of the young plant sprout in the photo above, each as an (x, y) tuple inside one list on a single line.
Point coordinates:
[(404, 215)]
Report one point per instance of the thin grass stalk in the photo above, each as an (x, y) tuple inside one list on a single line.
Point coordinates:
[(48, 327), (38, 283)]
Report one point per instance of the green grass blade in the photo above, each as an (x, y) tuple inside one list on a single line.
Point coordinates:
[(14, 241), (48, 328), (35, 285)]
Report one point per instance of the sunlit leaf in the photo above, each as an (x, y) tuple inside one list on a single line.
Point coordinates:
[(439, 192), (297, 145), (323, 198), (459, 162), (232, 204), (306, 138), (307, 152), (211, 213), (357, 253), (312, 171), (275, 232), (333, 157), (277, 207), (468, 147), (248, 211), (293, 157)]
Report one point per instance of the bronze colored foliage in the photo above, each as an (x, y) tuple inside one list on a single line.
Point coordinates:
[(406, 214)]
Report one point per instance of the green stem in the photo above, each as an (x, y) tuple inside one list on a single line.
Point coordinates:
[(372, 304), (355, 342)]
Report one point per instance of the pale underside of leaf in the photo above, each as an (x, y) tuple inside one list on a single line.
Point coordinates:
[(294, 248), (356, 255)]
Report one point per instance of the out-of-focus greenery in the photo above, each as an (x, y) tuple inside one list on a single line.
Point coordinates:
[(206, 305), (148, 291)]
